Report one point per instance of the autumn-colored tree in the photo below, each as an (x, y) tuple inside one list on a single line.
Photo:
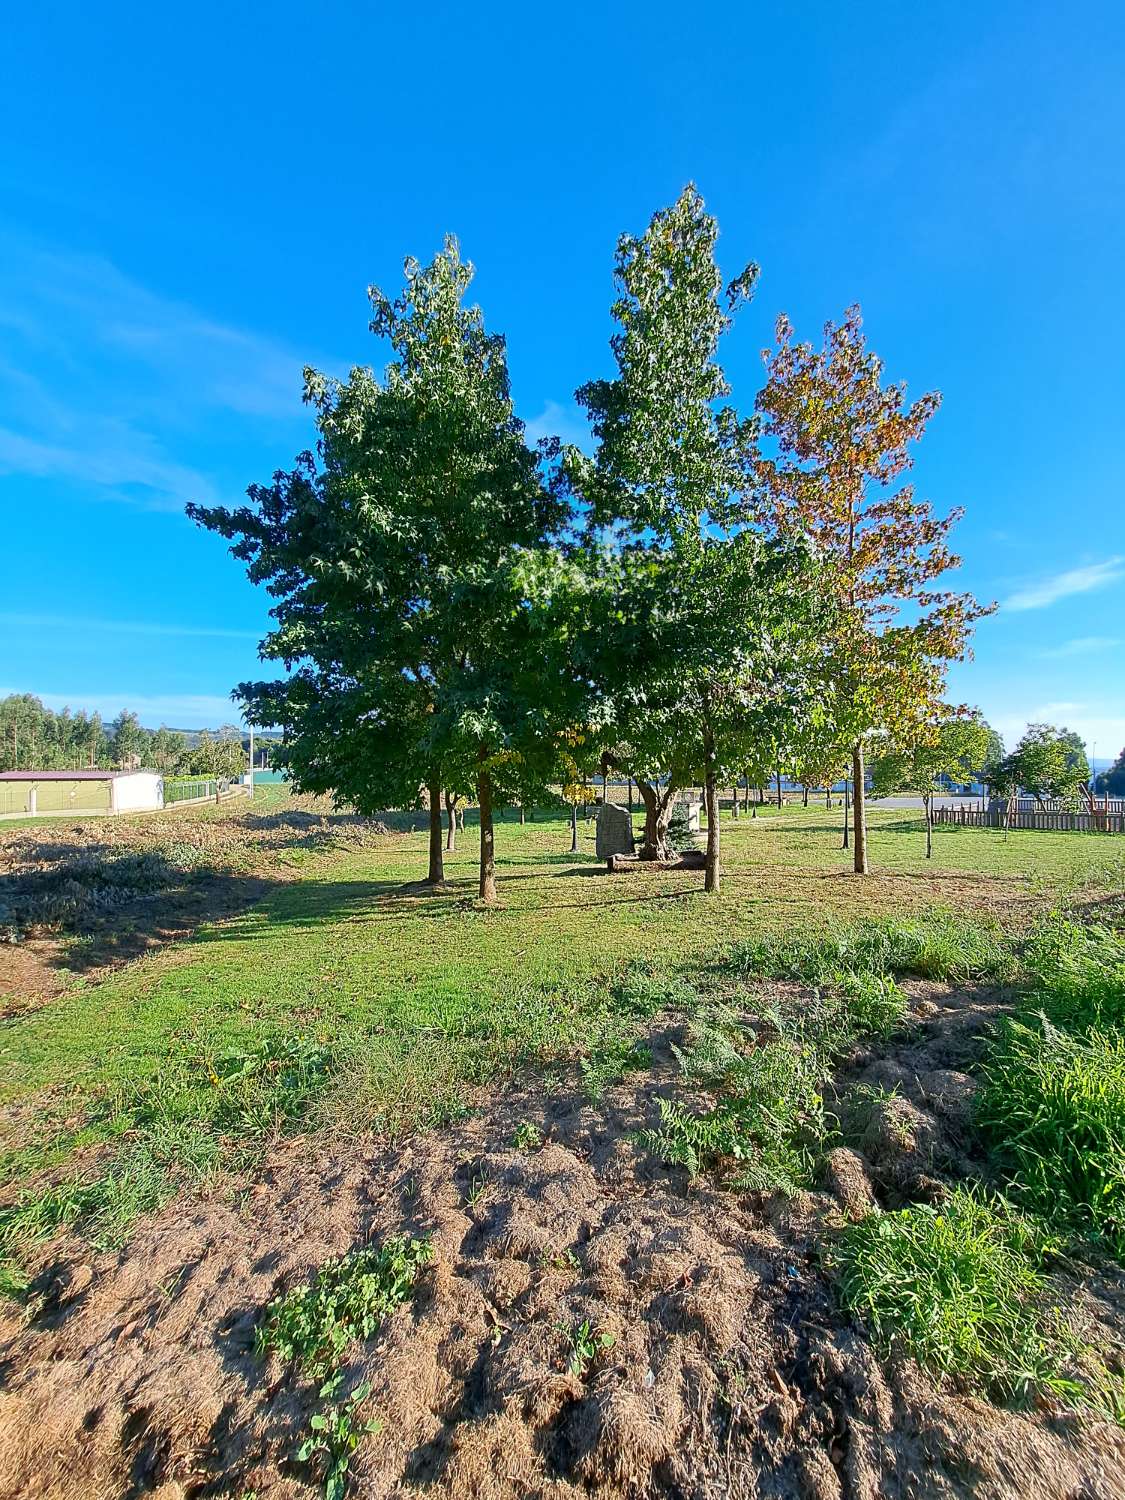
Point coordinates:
[(841, 444)]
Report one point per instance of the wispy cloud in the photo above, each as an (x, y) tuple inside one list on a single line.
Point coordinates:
[(556, 420), (90, 626), (1071, 581), (108, 384), (116, 460), (1085, 645)]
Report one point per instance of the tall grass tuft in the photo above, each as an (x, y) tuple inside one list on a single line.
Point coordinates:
[(960, 1287)]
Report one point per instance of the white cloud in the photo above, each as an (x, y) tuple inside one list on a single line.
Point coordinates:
[(1062, 585), (555, 420), (1086, 645), (123, 627)]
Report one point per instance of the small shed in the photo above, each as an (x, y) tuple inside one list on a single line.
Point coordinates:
[(29, 793)]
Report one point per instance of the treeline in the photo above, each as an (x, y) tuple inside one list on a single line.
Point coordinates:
[(710, 592), (34, 738)]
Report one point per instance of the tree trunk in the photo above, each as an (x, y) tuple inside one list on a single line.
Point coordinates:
[(777, 773), (523, 816), (711, 870), (487, 833), (734, 803), (927, 802), (658, 809), (859, 792), (574, 828), (805, 793), (451, 815), (828, 797), (761, 796), (437, 868), (845, 843)]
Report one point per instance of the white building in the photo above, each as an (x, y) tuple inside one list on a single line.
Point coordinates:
[(30, 793)]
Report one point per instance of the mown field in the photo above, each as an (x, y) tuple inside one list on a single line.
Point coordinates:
[(666, 1066)]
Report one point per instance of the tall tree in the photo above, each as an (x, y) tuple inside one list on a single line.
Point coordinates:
[(698, 630), (395, 563), (841, 440), (130, 741)]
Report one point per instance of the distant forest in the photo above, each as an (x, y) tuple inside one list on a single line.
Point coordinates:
[(34, 738)]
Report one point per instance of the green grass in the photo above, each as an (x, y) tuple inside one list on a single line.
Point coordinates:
[(409, 1001), (1053, 1106), (961, 1287)]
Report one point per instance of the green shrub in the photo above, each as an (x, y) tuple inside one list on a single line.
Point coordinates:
[(348, 1300)]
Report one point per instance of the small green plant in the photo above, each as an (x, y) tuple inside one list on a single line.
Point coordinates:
[(348, 1300), (558, 1260), (479, 1189), (959, 1285), (336, 1433), (610, 1061), (585, 1343), (527, 1136)]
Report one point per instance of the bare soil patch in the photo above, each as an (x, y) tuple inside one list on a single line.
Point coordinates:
[(732, 1371)]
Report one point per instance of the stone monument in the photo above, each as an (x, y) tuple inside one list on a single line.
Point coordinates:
[(615, 831)]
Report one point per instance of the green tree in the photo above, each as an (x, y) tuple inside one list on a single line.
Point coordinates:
[(129, 739), (705, 615), (949, 749), (397, 565), (1112, 782), (841, 440), (1049, 762)]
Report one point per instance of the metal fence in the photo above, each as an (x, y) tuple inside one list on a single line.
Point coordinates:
[(192, 791), (1052, 822)]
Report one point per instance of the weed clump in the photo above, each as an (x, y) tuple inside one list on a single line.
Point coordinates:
[(961, 1287), (768, 1122), (939, 945), (350, 1297)]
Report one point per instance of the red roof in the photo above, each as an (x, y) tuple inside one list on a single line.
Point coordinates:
[(68, 775)]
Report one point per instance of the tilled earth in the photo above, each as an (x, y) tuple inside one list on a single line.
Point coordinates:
[(731, 1372)]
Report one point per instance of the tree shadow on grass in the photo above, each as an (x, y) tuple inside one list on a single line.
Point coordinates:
[(89, 908)]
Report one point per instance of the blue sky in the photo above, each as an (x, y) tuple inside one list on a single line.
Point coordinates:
[(191, 210)]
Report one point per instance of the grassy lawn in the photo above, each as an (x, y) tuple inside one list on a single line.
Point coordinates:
[(353, 998), (351, 953)]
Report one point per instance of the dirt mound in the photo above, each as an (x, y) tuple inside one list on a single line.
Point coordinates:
[(725, 1367)]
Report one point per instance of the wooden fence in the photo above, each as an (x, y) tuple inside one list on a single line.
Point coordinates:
[(1054, 822)]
